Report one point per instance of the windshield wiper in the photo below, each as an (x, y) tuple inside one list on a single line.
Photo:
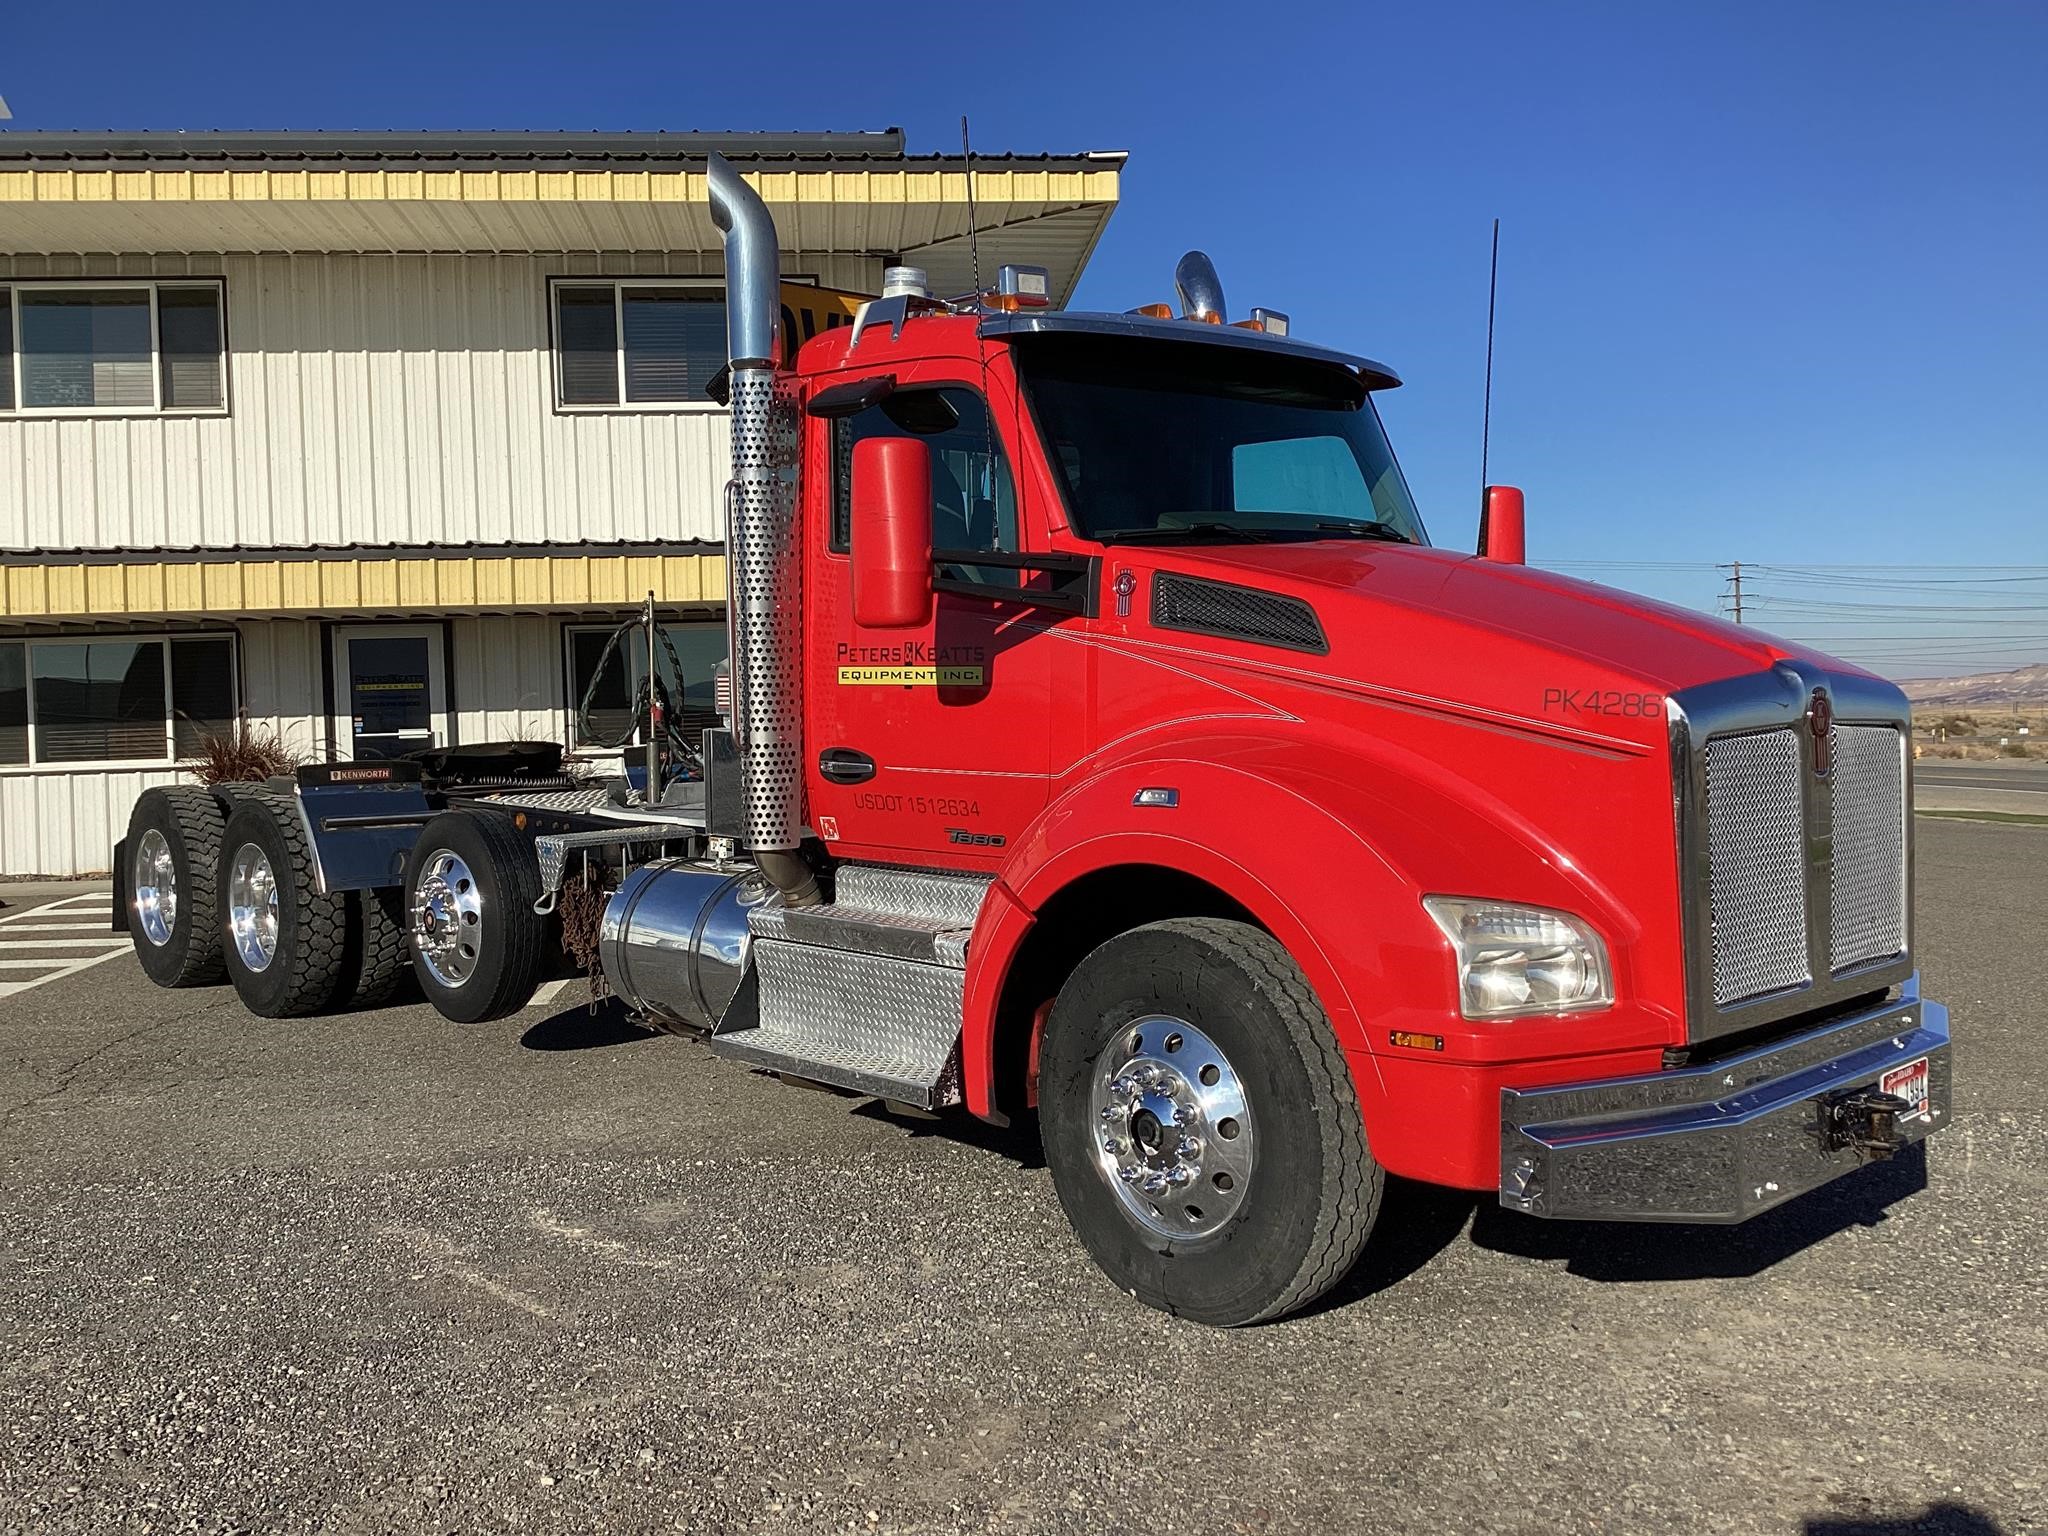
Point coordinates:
[(1367, 530), (1210, 528), (1185, 532)]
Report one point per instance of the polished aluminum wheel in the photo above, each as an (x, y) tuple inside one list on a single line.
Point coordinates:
[(155, 888), (447, 918), (1173, 1130), (252, 907)]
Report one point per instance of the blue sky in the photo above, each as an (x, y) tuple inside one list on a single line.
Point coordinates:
[(1771, 272)]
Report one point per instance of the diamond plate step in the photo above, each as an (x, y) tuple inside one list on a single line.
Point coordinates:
[(869, 1022), (927, 940), (929, 893)]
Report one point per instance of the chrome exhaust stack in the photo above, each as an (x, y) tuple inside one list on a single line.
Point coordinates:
[(1200, 289), (764, 574)]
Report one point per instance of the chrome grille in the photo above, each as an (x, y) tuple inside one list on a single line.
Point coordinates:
[(1868, 881), (1756, 854)]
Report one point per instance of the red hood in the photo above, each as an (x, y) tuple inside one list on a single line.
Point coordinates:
[(1494, 644), (1655, 643)]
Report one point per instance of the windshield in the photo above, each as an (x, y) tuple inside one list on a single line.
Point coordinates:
[(1176, 442)]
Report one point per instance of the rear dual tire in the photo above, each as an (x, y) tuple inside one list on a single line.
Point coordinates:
[(478, 947), (284, 942), (173, 851), (290, 950)]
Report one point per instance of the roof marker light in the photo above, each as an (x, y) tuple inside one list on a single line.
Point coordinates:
[(905, 282), (1153, 311), (1271, 321), (1021, 288)]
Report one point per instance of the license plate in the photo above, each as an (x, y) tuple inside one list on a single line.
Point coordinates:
[(1909, 1083)]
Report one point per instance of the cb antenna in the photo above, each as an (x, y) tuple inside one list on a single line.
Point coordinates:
[(973, 234), (988, 410), (1486, 409)]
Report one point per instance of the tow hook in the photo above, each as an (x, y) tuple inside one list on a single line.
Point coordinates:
[(1864, 1120)]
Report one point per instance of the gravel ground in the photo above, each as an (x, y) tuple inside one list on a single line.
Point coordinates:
[(383, 1273)]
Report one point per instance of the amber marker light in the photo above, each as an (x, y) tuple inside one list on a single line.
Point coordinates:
[(1415, 1042)]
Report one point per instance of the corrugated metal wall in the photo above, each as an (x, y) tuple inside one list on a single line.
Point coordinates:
[(376, 399), (507, 684), (58, 823)]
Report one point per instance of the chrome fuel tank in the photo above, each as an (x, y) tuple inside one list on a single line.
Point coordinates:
[(673, 942)]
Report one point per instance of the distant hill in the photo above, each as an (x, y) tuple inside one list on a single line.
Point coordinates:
[(2022, 685)]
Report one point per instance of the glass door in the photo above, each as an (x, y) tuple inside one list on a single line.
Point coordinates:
[(390, 691)]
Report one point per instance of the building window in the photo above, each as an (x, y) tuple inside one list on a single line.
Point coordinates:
[(114, 698), (611, 719), (636, 344), (105, 348)]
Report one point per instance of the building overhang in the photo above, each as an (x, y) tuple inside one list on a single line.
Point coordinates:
[(330, 193), (65, 590)]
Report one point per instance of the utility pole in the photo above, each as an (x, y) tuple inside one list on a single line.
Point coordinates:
[(1734, 592)]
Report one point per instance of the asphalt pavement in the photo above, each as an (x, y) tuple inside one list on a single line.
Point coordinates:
[(384, 1273)]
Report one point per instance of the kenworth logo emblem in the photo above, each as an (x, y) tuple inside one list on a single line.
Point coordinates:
[(1820, 718)]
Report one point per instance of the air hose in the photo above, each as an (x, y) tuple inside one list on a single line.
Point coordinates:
[(651, 702)]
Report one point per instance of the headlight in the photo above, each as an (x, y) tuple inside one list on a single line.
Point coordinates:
[(1521, 960)]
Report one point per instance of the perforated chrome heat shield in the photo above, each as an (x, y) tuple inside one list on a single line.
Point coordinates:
[(764, 605)]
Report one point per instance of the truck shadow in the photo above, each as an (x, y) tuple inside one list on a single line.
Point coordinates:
[(1418, 1222), (1018, 1142), (579, 1027), (1627, 1252), (1943, 1519)]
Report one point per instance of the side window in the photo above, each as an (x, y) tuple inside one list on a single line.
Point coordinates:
[(974, 501)]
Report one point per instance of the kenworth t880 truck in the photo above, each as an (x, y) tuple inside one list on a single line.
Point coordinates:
[(1106, 739)]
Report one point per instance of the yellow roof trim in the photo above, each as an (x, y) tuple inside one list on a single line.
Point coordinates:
[(261, 588), (266, 186)]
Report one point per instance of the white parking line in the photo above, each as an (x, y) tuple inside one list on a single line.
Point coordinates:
[(549, 991), (52, 910), (46, 928), (9, 988), (31, 938)]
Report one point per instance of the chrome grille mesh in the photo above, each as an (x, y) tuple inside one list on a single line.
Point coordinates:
[(1868, 881), (1756, 864)]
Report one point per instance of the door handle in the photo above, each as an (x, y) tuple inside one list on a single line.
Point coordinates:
[(843, 765)]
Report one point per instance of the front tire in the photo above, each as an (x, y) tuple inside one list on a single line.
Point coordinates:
[(284, 942), (1201, 1124), (471, 882), (173, 852)]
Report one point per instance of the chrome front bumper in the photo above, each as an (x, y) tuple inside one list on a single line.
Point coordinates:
[(1717, 1143)]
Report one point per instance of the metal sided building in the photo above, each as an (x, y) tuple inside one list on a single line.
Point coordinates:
[(370, 439)]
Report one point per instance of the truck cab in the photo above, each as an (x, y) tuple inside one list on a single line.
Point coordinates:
[(1526, 884)]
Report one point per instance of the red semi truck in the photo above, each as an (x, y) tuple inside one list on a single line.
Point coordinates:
[(1108, 740)]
